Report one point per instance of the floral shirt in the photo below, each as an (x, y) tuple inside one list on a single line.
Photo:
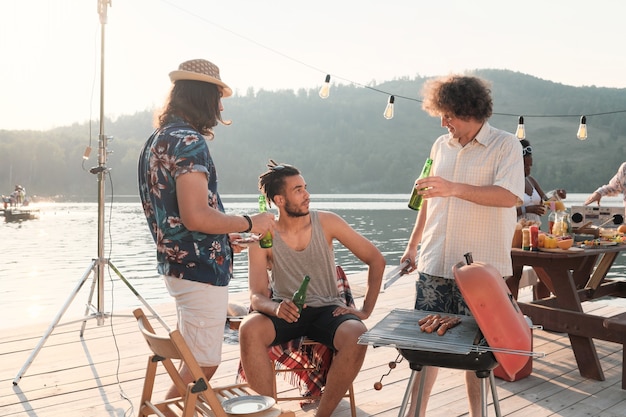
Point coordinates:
[(174, 150)]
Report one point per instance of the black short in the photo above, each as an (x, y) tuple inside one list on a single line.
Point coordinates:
[(317, 323)]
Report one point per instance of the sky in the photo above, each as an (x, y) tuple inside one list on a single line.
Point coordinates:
[(52, 50)]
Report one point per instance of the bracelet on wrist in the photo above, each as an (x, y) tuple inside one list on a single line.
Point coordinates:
[(245, 216), (523, 209)]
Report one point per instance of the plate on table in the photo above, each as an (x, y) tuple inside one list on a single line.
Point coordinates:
[(246, 241), (559, 250), (599, 245), (248, 404)]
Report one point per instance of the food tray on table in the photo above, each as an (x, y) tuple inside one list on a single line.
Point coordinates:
[(597, 244), (559, 250)]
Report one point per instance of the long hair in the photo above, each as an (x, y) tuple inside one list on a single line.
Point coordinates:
[(196, 102), (461, 96)]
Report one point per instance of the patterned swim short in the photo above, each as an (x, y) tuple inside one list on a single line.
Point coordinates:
[(439, 294)]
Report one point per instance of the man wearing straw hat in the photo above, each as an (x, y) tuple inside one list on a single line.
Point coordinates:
[(178, 189)]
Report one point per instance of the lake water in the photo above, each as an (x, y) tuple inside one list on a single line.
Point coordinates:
[(43, 260)]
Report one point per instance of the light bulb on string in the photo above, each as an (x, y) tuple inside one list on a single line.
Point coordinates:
[(582, 128), (389, 109), (325, 90), (520, 133)]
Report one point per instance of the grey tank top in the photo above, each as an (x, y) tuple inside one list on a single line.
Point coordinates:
[(317, 261)]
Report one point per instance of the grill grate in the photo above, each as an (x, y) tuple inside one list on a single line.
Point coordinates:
[(400, 329)]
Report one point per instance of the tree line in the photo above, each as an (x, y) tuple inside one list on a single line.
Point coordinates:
[(342, 144)]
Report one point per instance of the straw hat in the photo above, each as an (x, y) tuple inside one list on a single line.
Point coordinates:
[(201, 70)]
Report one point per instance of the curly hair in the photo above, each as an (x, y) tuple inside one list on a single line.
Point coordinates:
[(461, 96), (272, 181), (196, 102)]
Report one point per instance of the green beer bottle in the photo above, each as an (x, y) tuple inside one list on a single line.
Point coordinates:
[(415, 202), (266, 241), (299, 297)]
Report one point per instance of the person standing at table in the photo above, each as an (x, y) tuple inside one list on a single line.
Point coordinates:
[(477, 180), (616, 185), (178, 189)]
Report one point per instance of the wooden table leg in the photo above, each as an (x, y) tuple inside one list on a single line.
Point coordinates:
[(583, 347), (513, 281), (544, 277), (601, 270)]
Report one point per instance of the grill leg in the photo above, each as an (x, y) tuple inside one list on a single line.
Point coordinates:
[(420, 391), (484, 401), (407, 394), (483, 375), (494, 394), (409, 388), (483, 397)]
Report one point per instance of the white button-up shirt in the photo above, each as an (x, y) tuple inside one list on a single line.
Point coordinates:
[(454, 226)]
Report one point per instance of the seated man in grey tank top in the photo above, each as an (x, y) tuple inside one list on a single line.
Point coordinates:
[(303, 245)]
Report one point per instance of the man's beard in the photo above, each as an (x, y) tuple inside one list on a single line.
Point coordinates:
[(292, 211)]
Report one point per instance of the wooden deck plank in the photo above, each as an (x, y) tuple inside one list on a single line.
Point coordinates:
[(79, 377)]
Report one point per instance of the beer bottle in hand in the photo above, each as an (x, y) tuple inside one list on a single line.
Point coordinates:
[(415, 202), (266, 241), (299, 297)]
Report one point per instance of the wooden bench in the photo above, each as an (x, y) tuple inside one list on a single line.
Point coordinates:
[(617, 324)]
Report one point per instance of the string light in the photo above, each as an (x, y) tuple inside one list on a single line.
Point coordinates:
[(582, 129), (325, 90), (521, 131), (389, 109)]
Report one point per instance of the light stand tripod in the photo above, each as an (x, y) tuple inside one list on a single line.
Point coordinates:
[(97, 265)]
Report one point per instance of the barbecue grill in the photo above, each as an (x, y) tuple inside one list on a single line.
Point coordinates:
[(495, 314), (461, 347)]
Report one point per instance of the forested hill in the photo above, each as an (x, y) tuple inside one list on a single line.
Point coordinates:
[(342, 144)]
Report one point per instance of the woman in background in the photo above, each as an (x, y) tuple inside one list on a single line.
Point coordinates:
[(532, 209), (534, 196)]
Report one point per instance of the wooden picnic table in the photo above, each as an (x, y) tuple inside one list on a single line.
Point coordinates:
[(573, 277)]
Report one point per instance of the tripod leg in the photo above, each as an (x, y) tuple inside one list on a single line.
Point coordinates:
[(143, 301), (90, 298), (56, 320)]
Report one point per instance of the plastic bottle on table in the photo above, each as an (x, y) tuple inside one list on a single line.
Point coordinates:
[(551, 217), (526, 238), (562, 225)]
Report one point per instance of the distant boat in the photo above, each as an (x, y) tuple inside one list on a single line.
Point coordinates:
[(20, 214), (16, 206)]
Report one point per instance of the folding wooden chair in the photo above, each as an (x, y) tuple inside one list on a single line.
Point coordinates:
[(195, 397)]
